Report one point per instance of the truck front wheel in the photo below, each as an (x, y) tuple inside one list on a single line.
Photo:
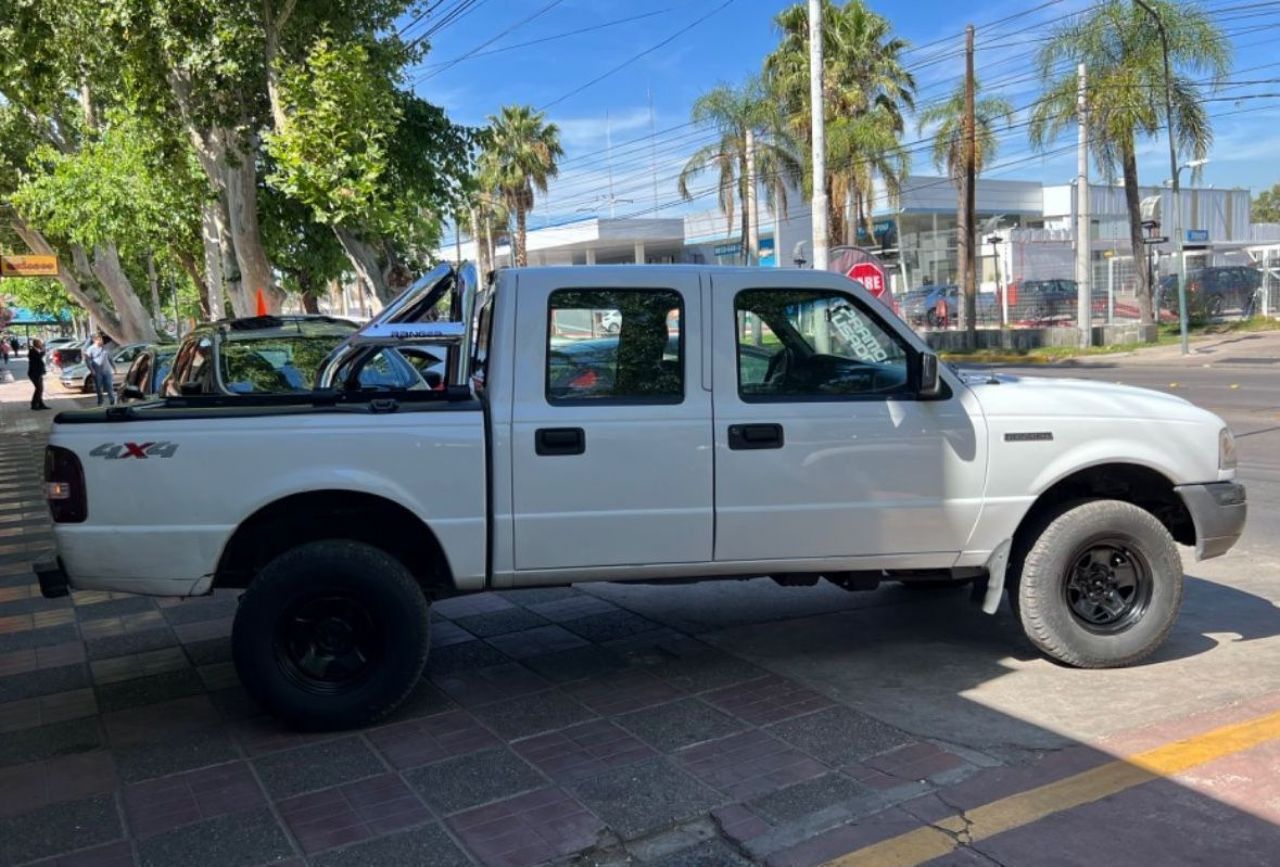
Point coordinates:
[(1101, 585), (331, 635)]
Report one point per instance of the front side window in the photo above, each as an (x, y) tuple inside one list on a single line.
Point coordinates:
[(615, 345), (797, 344)]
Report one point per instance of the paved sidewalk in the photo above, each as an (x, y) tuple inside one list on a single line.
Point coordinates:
[(553, 726)]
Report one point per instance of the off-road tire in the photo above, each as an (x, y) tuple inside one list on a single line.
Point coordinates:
[(1045, 559), (390, 601)]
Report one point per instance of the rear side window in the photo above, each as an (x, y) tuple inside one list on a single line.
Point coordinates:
[(615, 346)]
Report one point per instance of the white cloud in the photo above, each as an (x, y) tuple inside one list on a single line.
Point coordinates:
[(591, 132)]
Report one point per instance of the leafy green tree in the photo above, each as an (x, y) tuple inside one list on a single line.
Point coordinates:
[(1266, 206), (867, 89), (749, 150), (1119, 44), (520, 155)]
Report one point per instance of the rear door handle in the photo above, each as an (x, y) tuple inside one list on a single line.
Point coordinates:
[(755, 436), (559, 441)]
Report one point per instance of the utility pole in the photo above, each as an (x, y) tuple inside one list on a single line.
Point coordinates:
[(968, 245), (818, 121), (1084, 258), (752, 203)]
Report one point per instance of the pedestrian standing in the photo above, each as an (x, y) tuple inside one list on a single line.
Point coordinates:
[(98, 358), (35, 372), (4, 352)]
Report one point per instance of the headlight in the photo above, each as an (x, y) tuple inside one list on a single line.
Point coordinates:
[(1226, 450)]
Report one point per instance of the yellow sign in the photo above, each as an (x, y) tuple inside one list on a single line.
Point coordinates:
[(28, 266)]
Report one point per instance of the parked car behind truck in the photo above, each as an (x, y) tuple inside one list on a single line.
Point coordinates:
[(849, 453)]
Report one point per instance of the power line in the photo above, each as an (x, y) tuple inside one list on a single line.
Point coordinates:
[(522, 22)]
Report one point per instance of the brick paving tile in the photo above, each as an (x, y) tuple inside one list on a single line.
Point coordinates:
[(32, 684), (532, 714), (536, 642), (610, 626), (234, 840), (484, 685), (578, 663), (137, 665), (115, 608), (469, 781), (351, 813), (236, 706), (767, 700), (445, 633), (118, 854), (207, 651), (749, 764), (873, 779), (918, 761), (204, 630), (259, 735), (160, 722), (530, 596), (464, 606), (492, 623), (316, 767), (645, 797), (686, 663), (628, 691), (53, 655), (162, 805), (738, 823), (221, 604), (811, 796), (123, 624), (679, 724), (10, 641), (57, 828), (420, 741), (219, 675), (528, 829), (130, 642), (572, 607), (828, 845), (840, 735), (26, 787), (427, 846), (194, 749), (464, 656), (156, 688), (582, 751), (424, 700), (709, 853), (49, 741), (47, 709)]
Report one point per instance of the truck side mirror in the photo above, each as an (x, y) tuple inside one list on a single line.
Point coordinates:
[(930, 382)]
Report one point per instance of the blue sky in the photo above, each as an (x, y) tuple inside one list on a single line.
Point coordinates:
[(729, 42)]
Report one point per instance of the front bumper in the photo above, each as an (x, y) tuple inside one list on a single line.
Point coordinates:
[(1218, 510)]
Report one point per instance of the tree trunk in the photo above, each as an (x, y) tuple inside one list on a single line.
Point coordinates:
[(522, 254), (188, 263), (753, 204), (364, 261), (211, 298), (135, 325), (272, 27), (153, 284), (83, 296), (241, 303), (310, 304), (246, 235), (1129, 161)]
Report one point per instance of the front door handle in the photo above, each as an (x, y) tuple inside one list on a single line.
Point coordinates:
[(755, 436), (559, 441)]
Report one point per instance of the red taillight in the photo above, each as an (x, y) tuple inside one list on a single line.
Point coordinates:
[(64, 486), (57, 358)]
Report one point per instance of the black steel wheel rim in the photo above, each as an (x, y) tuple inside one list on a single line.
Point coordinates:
[(327, 643), (1107, 586)]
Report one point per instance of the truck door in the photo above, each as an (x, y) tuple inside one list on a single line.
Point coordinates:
[(822, 449), (611, 429)]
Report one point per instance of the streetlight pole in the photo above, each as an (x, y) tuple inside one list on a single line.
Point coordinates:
[(1175, 228), (818, 122)]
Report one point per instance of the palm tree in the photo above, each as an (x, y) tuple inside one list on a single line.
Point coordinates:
[(1125, 97), (866, 88), (750, 149), (518, 159), (948, 155)]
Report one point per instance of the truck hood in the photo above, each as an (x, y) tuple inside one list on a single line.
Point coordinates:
[(1002, 395)]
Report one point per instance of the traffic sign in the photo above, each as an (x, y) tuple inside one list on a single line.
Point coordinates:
[(28, 266), (870, 275)]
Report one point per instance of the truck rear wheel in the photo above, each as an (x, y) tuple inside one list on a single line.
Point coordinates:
[(331, 634), (1101, 585)]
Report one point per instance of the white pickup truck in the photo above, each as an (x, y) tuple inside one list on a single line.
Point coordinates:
[(704, 423)]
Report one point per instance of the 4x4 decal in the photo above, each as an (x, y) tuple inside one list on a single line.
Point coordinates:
[(119, 451)]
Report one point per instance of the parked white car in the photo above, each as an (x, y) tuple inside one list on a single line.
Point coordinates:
[(741, 422)]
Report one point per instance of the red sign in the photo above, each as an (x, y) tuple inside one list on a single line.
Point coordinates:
[(870, 275)]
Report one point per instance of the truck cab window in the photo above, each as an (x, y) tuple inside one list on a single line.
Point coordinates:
[(615, 345), (798, 344)]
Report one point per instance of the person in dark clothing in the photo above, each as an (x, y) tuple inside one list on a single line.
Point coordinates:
[(35, 372)]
